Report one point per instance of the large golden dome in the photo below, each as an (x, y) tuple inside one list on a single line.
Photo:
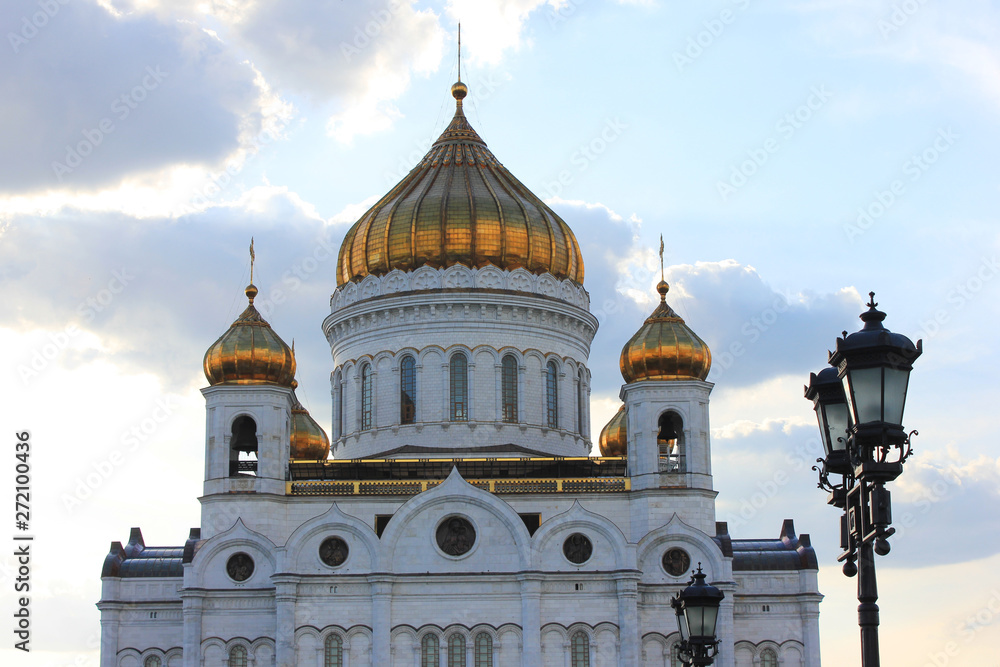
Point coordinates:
[(309, 441), (459, 205), (250, 352), (614, 436), (665, 348)]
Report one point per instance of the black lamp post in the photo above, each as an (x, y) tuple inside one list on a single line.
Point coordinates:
[(697, 609), (859, 404)]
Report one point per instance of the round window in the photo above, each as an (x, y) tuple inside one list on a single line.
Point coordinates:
[(456, 535), (333, 551), (239, 567), (578, 548), (676, 562)]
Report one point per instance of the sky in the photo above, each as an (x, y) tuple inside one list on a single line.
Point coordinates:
[(794, 155)]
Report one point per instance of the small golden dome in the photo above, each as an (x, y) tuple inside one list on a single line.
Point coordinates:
[(665, 348), (459, 205), (249, 352), (309, 441), (614, 436)]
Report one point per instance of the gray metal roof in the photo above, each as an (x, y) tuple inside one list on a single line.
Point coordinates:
[(136, 560), (789, 552)]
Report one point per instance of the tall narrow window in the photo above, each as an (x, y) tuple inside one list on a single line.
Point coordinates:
[(430, 651), (152, 661), (333, 652), (407, 390), (484, 650), (366, 397), (339, 398), (552, 395), (580, 399), (768, 658), (675, 656), (459, 386), (580, 650), (508, 387), (456, 650), (238, 657)]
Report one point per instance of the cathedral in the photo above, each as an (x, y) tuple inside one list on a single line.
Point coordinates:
[(456, 516)]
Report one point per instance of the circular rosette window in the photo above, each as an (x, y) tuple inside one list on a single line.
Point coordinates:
[(239, 567), (456, 535), (333, 551), (578, 548), (676, 562)]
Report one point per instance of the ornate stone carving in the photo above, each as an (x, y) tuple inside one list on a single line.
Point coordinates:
[(676, 562), (333, 551), (578, 548), (239, 567), (456, 536)]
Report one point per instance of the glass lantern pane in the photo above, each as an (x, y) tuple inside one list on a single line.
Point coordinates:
[(696, 620), (711, 614), (683, 626), (895, 394), (837, 421), (867, 385)]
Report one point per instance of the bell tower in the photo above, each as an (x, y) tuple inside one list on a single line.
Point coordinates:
[(249, 406), (663, 426)]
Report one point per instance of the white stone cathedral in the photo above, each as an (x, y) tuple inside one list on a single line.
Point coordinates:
[(461, 521)]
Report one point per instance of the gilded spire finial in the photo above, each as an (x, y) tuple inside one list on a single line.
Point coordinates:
[(459, 90), (251, 260), (661, 257), (662, 287), (251, 290)]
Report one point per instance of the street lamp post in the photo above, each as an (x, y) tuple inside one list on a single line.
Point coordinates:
[(697, 609), (859, 405)]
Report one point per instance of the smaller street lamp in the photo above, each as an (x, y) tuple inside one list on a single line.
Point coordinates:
[(697, 609)]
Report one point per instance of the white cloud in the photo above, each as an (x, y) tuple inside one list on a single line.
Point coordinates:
[(156, 94), (494, 26)]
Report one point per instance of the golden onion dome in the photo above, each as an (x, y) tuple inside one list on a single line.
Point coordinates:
[(459, 205), (614, 436), (309, 440), (665, 348), (250, 352)]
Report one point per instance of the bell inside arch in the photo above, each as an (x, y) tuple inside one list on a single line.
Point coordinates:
[(668, 431), (244, 435)]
